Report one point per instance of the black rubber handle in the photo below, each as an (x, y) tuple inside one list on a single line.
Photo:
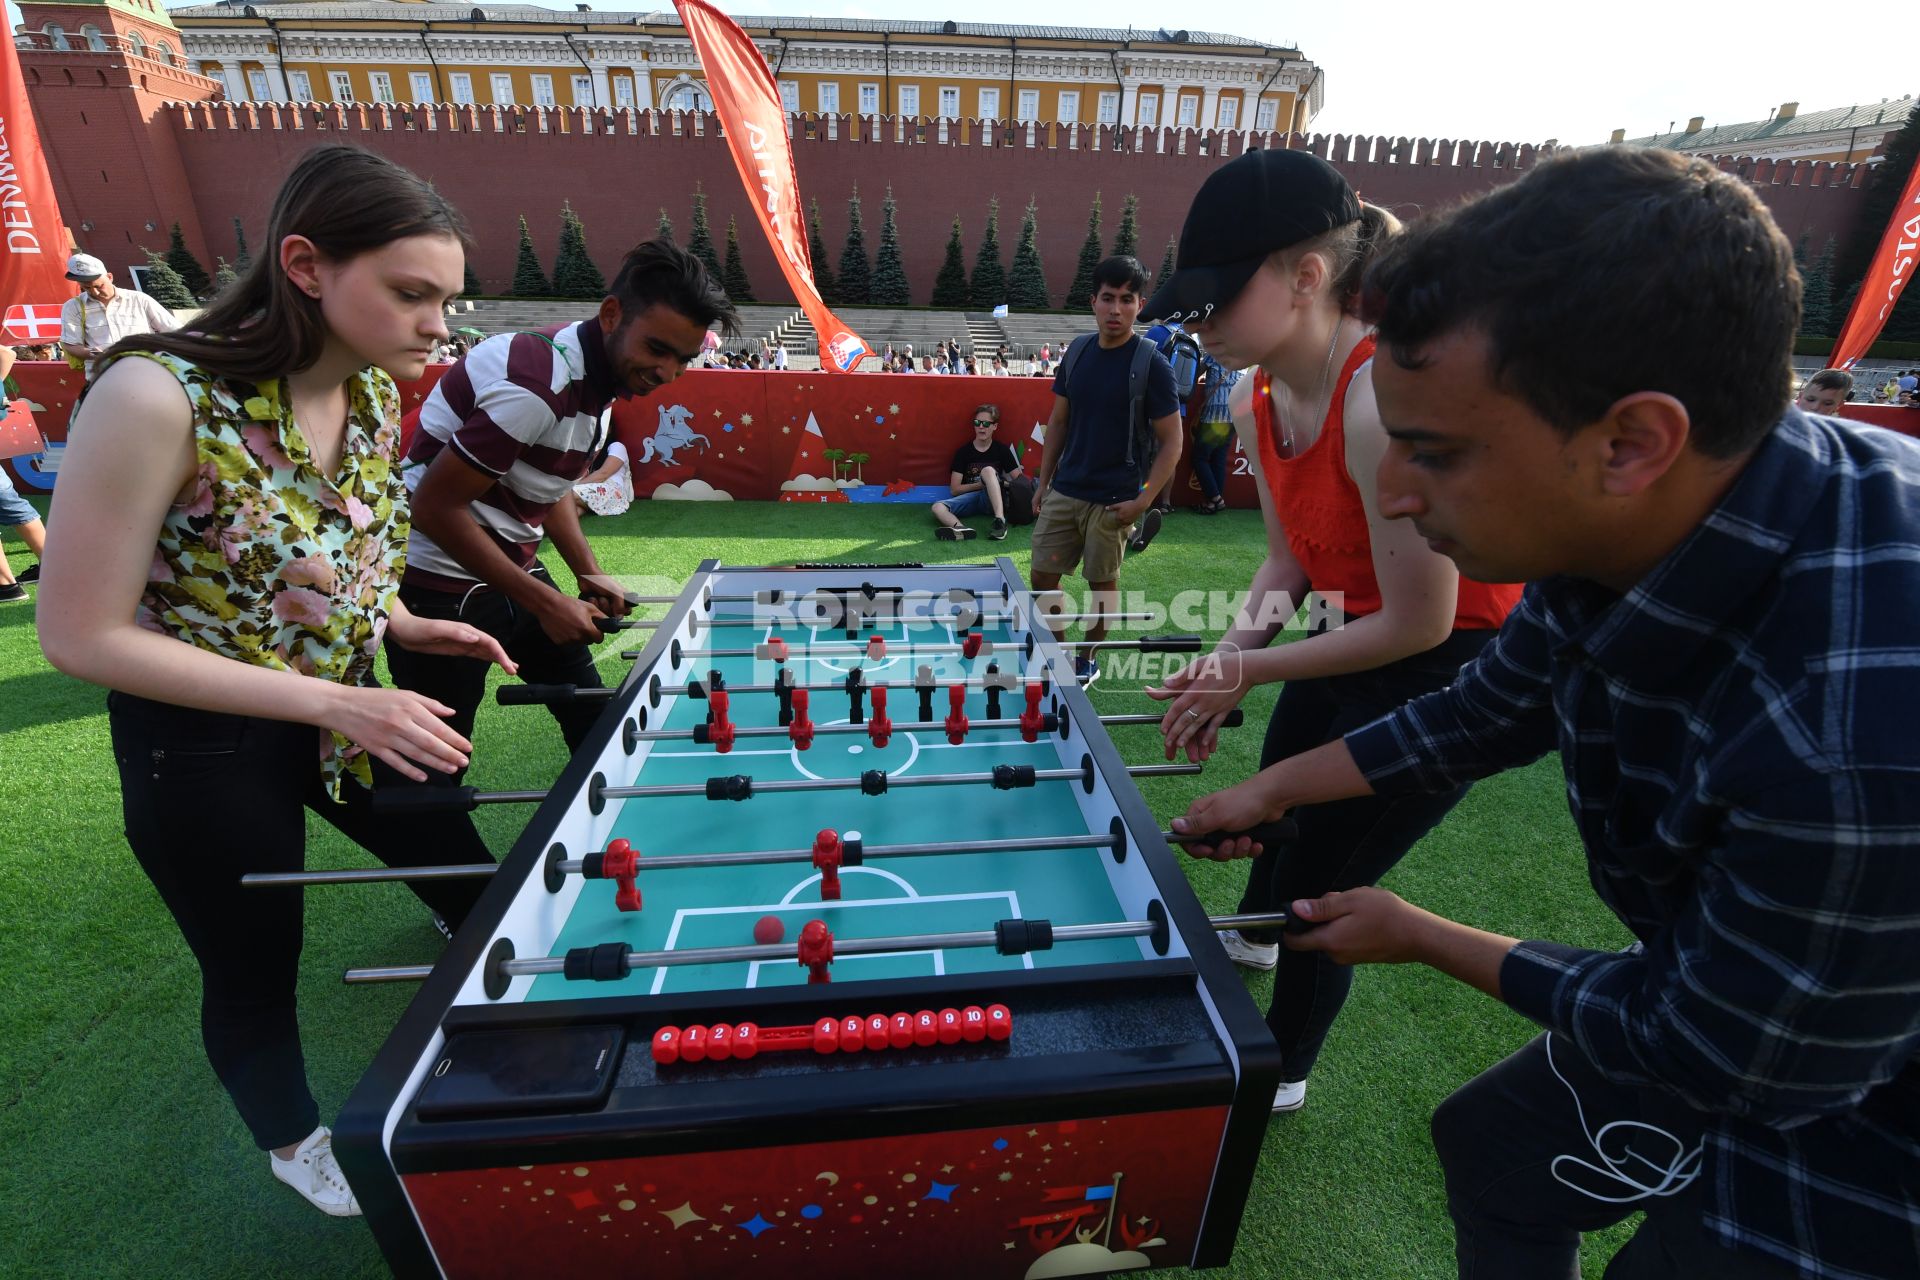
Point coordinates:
[(534, 695), (1235, 718), (1267, 834), (1169, 644), (610, 625), (400, 801)]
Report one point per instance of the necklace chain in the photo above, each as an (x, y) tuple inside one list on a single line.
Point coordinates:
[(1326, 371)]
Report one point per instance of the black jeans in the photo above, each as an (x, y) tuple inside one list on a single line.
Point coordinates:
[(461, 683), (1508, 1137), (207, 798), (1346, 843)]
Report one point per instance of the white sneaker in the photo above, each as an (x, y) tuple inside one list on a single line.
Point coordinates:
[(1254, 955), (315, 1174), (1290, 1097)]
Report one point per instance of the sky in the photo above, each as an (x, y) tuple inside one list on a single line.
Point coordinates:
[(1505, 70)]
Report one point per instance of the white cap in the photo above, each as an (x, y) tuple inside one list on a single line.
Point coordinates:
[(84, 267)]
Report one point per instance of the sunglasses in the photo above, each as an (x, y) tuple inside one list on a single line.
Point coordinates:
[(985, 422)]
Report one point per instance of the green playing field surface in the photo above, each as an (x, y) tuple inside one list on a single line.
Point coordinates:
[(718, 906)]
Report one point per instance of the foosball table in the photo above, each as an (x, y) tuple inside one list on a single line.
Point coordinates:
[(845, 946)]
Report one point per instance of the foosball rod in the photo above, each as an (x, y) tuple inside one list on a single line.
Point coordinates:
[(695, 622), (1271, 833), (413, 800), (628, 960), (909, 649), (1049, 723)]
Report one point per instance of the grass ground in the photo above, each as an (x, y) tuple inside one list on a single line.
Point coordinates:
[(121, 1157)]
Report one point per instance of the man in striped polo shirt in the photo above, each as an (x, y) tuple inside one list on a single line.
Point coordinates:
[(1585, 377), (503, 438)]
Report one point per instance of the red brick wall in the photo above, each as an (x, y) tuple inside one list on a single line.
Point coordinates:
[(618, 181)]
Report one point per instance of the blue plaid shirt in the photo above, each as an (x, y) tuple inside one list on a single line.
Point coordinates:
[(1219, 390), (1740, 735)]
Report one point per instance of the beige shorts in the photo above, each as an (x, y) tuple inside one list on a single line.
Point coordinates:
[(1068, 528)]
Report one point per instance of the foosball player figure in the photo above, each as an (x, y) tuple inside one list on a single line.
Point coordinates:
[(924, 685), (879, 726), (719, 727), (956, 714), (827, 858), (856, 690), (1031, 721), (799, 728), (816, 951)]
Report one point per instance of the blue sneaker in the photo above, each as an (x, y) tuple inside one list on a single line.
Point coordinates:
[(1085, 670)]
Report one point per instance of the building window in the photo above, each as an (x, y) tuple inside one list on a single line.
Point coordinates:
[(57, 36), (910, 101), (135, 45), (789, 95), (583, 91), (164, 52), (463, 88), (1189, 110), (382, 84), (342, 85), (95, 42), (502, 90), (543, 91), (1229, 112), (300, 85), (989, 104), (257, 86), (829, 91), (1109, 108), (1149, 109), (688, 95), (1069, 107), (1263, 117), (949, 102), (420, 85), (623, 92), (1029, 104), (869, 99)]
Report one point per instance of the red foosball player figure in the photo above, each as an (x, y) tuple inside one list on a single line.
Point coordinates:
[(827, 856), (879, 727), (1030, 720), (816, 950), (800, 730), (956, 715), (720, 728)]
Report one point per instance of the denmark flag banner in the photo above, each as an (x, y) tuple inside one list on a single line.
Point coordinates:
[(33, 241), (1893, 265), (747, 101), (32, 323)]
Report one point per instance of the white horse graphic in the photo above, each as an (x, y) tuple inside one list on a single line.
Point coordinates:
[(674, 432)]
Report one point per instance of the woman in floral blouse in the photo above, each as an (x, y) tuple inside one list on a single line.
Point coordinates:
[(224, 556)]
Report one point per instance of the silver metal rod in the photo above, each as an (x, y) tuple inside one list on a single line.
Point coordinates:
[(388, 973), (844, 648), (777, 731), (369, 875), (846, 784), (1007, 679)]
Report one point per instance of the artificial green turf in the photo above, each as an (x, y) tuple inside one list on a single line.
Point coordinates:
[(120, 1156)]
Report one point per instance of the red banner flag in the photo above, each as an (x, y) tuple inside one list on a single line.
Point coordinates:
[(1893, 266), (747, 101), (33, 241)]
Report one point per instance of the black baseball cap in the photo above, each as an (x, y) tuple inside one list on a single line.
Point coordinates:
[(1252, 205)]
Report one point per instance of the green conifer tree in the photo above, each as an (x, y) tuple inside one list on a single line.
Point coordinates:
[(574, 275), (988, 288), (223, 275), (823, 281), (1127, 242), (950, 286), (1817, 319), (186, 266), (856, 277), (164, 284), (241, 260), (733, 277), (700, 242), (889, 285), (1167, 264), (1080, 295), (469, 282), (1027, 283), (663, 229), (529, 281)]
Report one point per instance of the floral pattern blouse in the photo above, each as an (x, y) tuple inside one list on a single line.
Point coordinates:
[(272, 562)]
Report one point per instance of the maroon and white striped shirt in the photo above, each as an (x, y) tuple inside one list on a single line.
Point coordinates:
[(526, 409)]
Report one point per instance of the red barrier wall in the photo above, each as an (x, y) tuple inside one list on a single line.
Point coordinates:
[(759, 431)]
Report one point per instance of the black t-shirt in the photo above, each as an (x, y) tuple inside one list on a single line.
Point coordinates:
[(1093, 466), (968, 461)]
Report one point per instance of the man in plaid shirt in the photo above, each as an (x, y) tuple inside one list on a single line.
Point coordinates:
[(1586, 378)]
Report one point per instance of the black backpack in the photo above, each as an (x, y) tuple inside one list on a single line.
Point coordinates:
[(1142, 444)]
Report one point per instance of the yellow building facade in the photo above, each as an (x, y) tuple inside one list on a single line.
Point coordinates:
[(423, 51)]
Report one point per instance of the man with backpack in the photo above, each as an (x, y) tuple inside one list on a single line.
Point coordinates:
[(1113, 441)]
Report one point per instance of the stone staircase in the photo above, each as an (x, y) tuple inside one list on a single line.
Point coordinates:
[(985, 334)]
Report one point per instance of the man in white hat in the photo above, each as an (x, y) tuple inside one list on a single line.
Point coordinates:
[(102, 315)]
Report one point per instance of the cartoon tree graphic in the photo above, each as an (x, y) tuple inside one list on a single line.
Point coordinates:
[(834, 456), (857, 461)]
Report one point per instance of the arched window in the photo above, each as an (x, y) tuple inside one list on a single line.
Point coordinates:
[(95, 41), (57, 36), (135, 45), (689, 95), (165, 52)]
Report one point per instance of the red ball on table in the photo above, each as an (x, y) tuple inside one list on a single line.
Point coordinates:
[(768, 930)]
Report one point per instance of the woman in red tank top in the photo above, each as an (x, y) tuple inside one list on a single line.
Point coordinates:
[(1271, 259)]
